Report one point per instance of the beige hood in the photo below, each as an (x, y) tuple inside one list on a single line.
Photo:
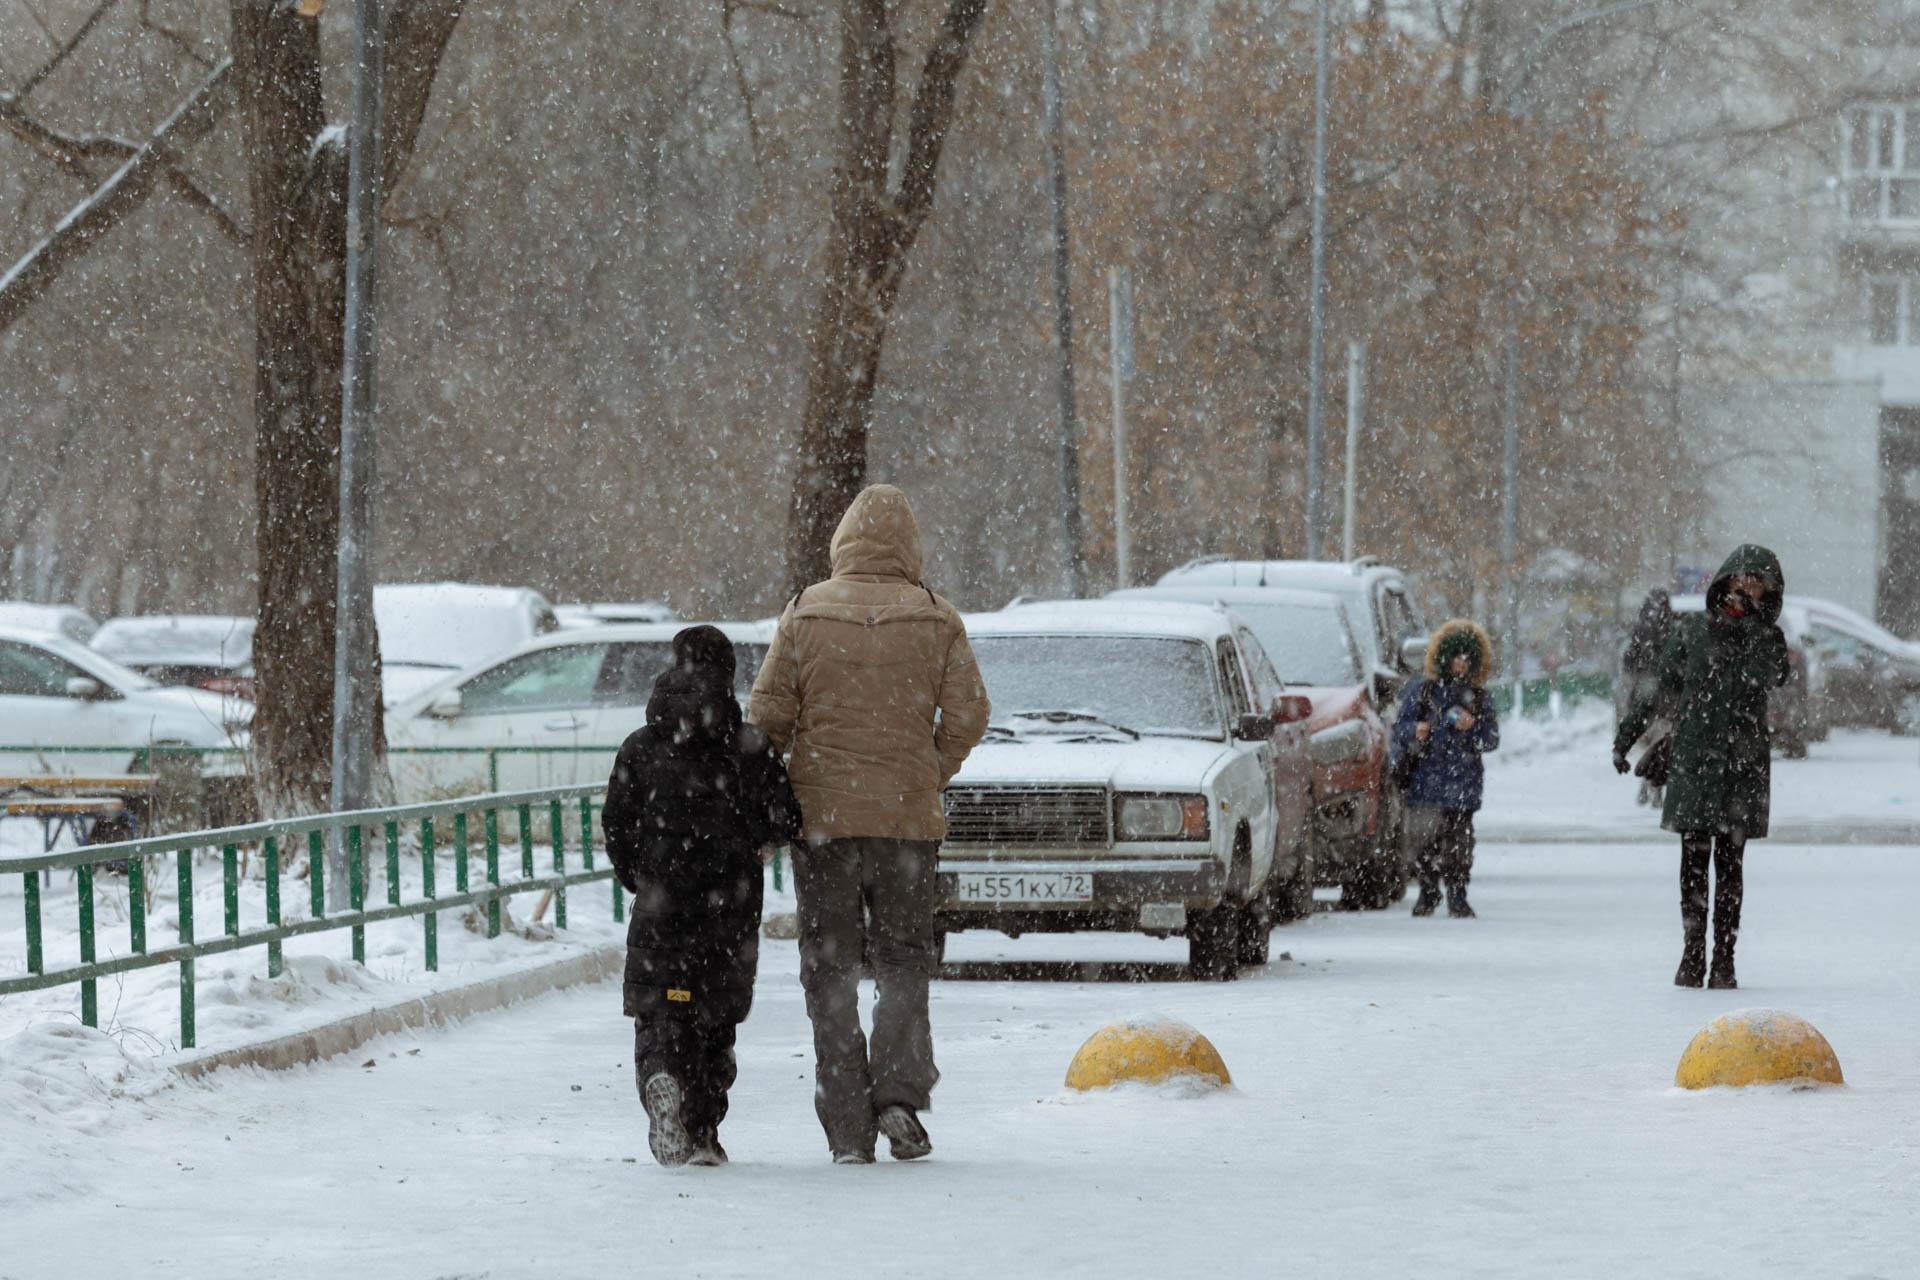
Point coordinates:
[(878, 537)]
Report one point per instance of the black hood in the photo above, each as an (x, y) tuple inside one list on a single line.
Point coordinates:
[(707, 650), (1763, 564), (692, 704)]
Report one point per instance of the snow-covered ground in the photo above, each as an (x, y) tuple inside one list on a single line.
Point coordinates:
[(1427, 1098), (1551, 780)]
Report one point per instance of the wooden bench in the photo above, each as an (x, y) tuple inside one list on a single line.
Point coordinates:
[(73, 804)]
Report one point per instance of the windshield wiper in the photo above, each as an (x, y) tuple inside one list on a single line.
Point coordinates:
[(1076, 717), (1008, 730)]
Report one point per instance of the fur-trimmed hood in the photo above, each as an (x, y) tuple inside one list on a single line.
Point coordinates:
[(1455, 627)]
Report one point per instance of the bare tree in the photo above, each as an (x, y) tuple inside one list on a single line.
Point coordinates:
[(297, 176), (873, 229)]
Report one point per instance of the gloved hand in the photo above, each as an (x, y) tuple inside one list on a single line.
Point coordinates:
[(1620, 764)]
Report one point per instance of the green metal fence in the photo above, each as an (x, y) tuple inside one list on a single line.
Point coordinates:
[(143, 757), (1537, 693), (361, 831)]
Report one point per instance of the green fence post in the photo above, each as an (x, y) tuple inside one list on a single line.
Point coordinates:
[(89, 994), (460, 852), (557, 820), (230, 887), (493, 769), (316, 874), (137, 904), (526, 841), (185, 862), (36, 963), (492, 820), (393, 864), (430, 920), (586, 834), (272, 847), (357, 891), (778, 854)]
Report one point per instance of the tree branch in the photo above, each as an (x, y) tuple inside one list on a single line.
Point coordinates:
[(66, 50), (417, 35), (90, 220), (932, 113)]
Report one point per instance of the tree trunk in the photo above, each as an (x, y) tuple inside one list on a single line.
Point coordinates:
[(297, 177), (872, 232)]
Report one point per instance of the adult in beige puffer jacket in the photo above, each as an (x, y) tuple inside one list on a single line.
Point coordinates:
[(872, 688)]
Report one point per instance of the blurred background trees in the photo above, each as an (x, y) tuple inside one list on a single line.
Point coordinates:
[(604, 266)]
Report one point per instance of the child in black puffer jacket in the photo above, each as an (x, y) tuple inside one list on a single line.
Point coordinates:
[(694, 798)]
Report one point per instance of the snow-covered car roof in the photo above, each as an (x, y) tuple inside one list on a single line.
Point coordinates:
[(212, 640), (1852, 620), (1209, 593), (60, 619), (1169, 618), (1339, 576), (455, 625), (605, 613)]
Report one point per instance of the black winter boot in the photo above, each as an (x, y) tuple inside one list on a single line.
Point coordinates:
[(667, 1135), (1693, 956), (1457, 901), (1722, 979), (906, 1137), (707, 1151), (1429, 899)]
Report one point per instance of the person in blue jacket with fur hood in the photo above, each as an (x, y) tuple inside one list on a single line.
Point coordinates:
[(1446, 723)]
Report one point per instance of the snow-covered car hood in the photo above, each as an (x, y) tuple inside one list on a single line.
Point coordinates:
[(1151, 764), (401, 682), (1331, 704)]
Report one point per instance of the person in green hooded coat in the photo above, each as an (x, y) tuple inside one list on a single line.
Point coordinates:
[(1716, 674)]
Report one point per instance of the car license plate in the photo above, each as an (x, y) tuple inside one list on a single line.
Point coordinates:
[(1017, 886)]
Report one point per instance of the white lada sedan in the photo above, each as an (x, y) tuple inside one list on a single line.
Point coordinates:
[(1146, 770)]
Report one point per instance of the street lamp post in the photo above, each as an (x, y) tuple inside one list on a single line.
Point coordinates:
[(354, 688), (1317, 301)]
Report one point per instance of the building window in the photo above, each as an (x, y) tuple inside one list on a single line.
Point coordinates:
[(1893, 311), (1879, 182)]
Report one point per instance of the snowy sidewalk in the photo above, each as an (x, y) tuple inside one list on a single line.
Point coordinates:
[(1553, 782), (1420, 1098)]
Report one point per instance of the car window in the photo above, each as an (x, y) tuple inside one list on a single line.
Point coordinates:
[(626, 678), (1395, 622), (546, 679), (1267, 684), (1842, 646), (1151, 684), (1237, 699), (31, 672), (1309, 645)]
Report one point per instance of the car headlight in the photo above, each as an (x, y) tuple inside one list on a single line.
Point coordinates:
[(1160, 817), (1348, 740)]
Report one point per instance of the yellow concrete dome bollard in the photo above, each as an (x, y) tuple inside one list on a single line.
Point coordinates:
[(1757, 1046), (1148, 1052)]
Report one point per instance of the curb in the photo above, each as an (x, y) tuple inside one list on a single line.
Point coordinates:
[(436, 1009)]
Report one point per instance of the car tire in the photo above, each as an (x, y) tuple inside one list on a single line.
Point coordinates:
[(1212, 943), (1292, 898), (1253, 933)]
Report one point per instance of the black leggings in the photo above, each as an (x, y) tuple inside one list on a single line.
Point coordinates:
[(1725, 851)]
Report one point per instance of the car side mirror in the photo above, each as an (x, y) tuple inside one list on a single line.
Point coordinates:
[(1253, 728), (1385, 681), (84, 687), (1291, 708), (446, 706), (1413, 655)]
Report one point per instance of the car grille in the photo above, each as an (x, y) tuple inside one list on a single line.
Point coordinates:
[(1041, 817)]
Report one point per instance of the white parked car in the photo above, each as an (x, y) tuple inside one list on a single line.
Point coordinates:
[(61, 619), (56, 694), (430, 630), (202, 651), (1146, 770), (551, 713)]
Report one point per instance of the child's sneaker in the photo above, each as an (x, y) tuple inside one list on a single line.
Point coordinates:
[(666, 1131), (907, 1136)]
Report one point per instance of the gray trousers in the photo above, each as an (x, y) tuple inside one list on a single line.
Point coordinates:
[(874, 898)]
